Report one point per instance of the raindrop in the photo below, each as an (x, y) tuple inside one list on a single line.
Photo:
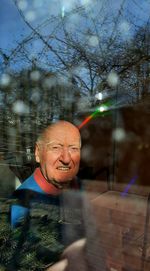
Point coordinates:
[(20, 108), (4, 80), (113, 79), (124, 27), (22, 4), (30, 16), (87, 152), (35, 97), (49, 82), (35, 75), (99, 96), (119, 134), (93, 41)]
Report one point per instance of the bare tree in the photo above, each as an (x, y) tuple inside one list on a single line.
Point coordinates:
[(69, 57)]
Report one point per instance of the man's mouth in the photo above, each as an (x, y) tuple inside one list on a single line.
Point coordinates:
[(62, 168)]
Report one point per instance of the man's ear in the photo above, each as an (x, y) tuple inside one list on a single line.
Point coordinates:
[(37, 153)]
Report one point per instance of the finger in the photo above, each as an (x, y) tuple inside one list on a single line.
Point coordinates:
[(60, 266)]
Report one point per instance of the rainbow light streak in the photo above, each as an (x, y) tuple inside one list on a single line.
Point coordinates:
[(96, 112), (88, 119), (123, 194)]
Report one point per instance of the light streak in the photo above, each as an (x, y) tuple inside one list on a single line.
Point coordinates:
[(101, 110), (87, 119), (63, 12), (132, 181)]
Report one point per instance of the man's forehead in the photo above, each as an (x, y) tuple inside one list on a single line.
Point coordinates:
[(62, 126), (63, 138), (61, 130), (59, 142)]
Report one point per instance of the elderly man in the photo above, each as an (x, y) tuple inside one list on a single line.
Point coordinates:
[(46, 209), (57, 151)]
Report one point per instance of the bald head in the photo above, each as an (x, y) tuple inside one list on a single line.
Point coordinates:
[(58, 151), (59, 127)]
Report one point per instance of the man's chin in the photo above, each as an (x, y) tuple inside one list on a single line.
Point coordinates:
[(64, 177), (63, 180), (60, 183)]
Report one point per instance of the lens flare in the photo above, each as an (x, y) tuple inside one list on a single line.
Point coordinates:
[(100, 111)]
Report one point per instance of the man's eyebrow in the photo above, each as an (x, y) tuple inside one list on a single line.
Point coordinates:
[(54, 141), (74, 145), (58, 143)]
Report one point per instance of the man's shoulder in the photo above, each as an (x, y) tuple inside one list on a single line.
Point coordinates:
[(27, 190), (27, 183)]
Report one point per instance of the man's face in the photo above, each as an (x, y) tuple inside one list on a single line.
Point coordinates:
[(59, 153)]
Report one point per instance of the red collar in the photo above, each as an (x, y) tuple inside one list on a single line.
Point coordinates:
[(43, 183)]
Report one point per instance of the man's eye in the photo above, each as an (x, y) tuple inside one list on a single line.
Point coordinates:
[(56, 147), (74, 149)]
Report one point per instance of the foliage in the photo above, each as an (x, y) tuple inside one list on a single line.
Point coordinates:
[(28, 247)]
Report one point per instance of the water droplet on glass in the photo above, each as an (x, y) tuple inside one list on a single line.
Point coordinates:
[(119, 134), (30, 16), (5, 80), (22, 4), (35, 75), (20, 108), (113, 79)]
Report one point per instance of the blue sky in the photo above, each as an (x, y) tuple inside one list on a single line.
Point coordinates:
[(13, 28)]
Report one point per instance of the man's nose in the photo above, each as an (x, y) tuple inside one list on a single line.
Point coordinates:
[(65, 156)]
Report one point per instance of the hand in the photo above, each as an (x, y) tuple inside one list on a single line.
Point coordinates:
[(73, 258)]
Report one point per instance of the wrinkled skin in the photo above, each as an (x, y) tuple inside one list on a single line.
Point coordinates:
[(58, 152)]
